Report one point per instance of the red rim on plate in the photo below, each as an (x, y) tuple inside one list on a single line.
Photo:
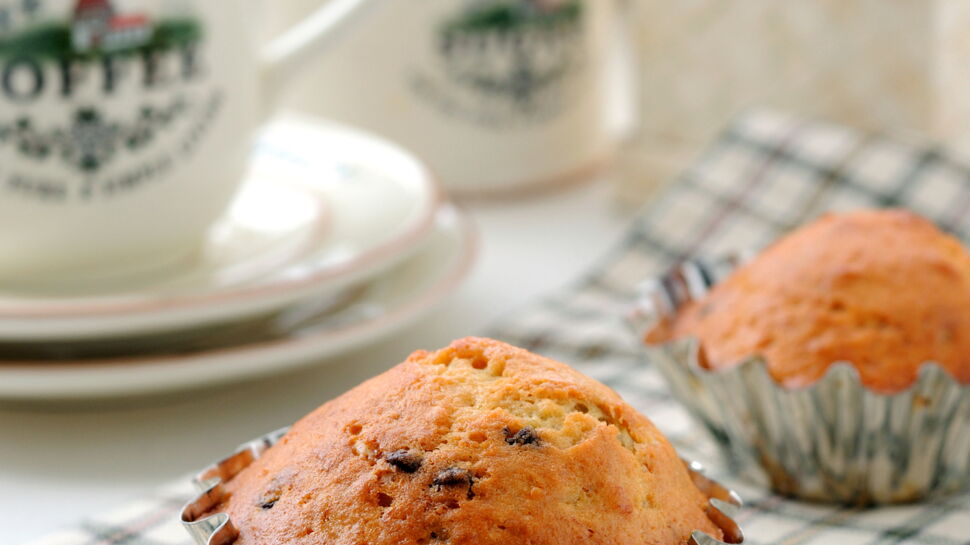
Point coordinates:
[(126, 376)]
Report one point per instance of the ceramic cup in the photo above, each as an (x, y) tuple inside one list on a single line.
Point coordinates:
[(496, 95), (125, 126)]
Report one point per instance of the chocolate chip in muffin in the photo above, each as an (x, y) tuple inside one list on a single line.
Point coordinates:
[(455, 476), (268, 500), (525, 436), (404, 460)]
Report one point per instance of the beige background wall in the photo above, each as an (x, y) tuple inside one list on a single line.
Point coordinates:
[(885, 65)]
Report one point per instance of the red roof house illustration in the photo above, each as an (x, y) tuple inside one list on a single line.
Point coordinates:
[(97, 26)]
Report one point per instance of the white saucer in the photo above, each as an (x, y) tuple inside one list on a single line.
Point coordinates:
[(324, 207), (389, 302)]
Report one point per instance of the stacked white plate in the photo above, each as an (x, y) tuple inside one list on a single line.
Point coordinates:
[(336, 239)]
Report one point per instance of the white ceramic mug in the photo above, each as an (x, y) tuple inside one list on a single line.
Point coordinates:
[(496, 95), (125, 126)]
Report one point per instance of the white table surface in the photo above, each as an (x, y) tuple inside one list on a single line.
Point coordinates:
[(58, 467)]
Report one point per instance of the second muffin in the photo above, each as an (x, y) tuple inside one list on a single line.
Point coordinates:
[(835, 366), (883, 290)]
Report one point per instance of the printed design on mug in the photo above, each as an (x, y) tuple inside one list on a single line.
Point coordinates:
[(88, 86), (90, 140), (506, 62)]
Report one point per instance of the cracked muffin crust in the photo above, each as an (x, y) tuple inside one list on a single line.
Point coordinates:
[(884, 290), (478, 443)]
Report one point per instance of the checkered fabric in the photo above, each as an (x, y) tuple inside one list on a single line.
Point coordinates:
[(767, 173)]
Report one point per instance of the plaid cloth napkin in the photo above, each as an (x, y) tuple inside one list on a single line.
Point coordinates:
[(767, 173)]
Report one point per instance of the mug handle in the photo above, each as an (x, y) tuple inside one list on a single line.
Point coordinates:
[(622, 75), (286, 55)]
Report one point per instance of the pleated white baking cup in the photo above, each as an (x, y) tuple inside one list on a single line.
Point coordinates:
[(833, 441)]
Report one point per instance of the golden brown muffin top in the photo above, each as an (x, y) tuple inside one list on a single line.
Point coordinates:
[(882, 289), (478, 443)]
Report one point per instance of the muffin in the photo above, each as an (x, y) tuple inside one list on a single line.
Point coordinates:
[(477, 443), (883, 290), (835, 365)]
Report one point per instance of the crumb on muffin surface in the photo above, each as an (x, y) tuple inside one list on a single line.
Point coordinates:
[(477, 443), (884, 290)]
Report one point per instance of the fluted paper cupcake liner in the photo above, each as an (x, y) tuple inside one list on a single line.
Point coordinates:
[(207, 528), (835, 440)]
